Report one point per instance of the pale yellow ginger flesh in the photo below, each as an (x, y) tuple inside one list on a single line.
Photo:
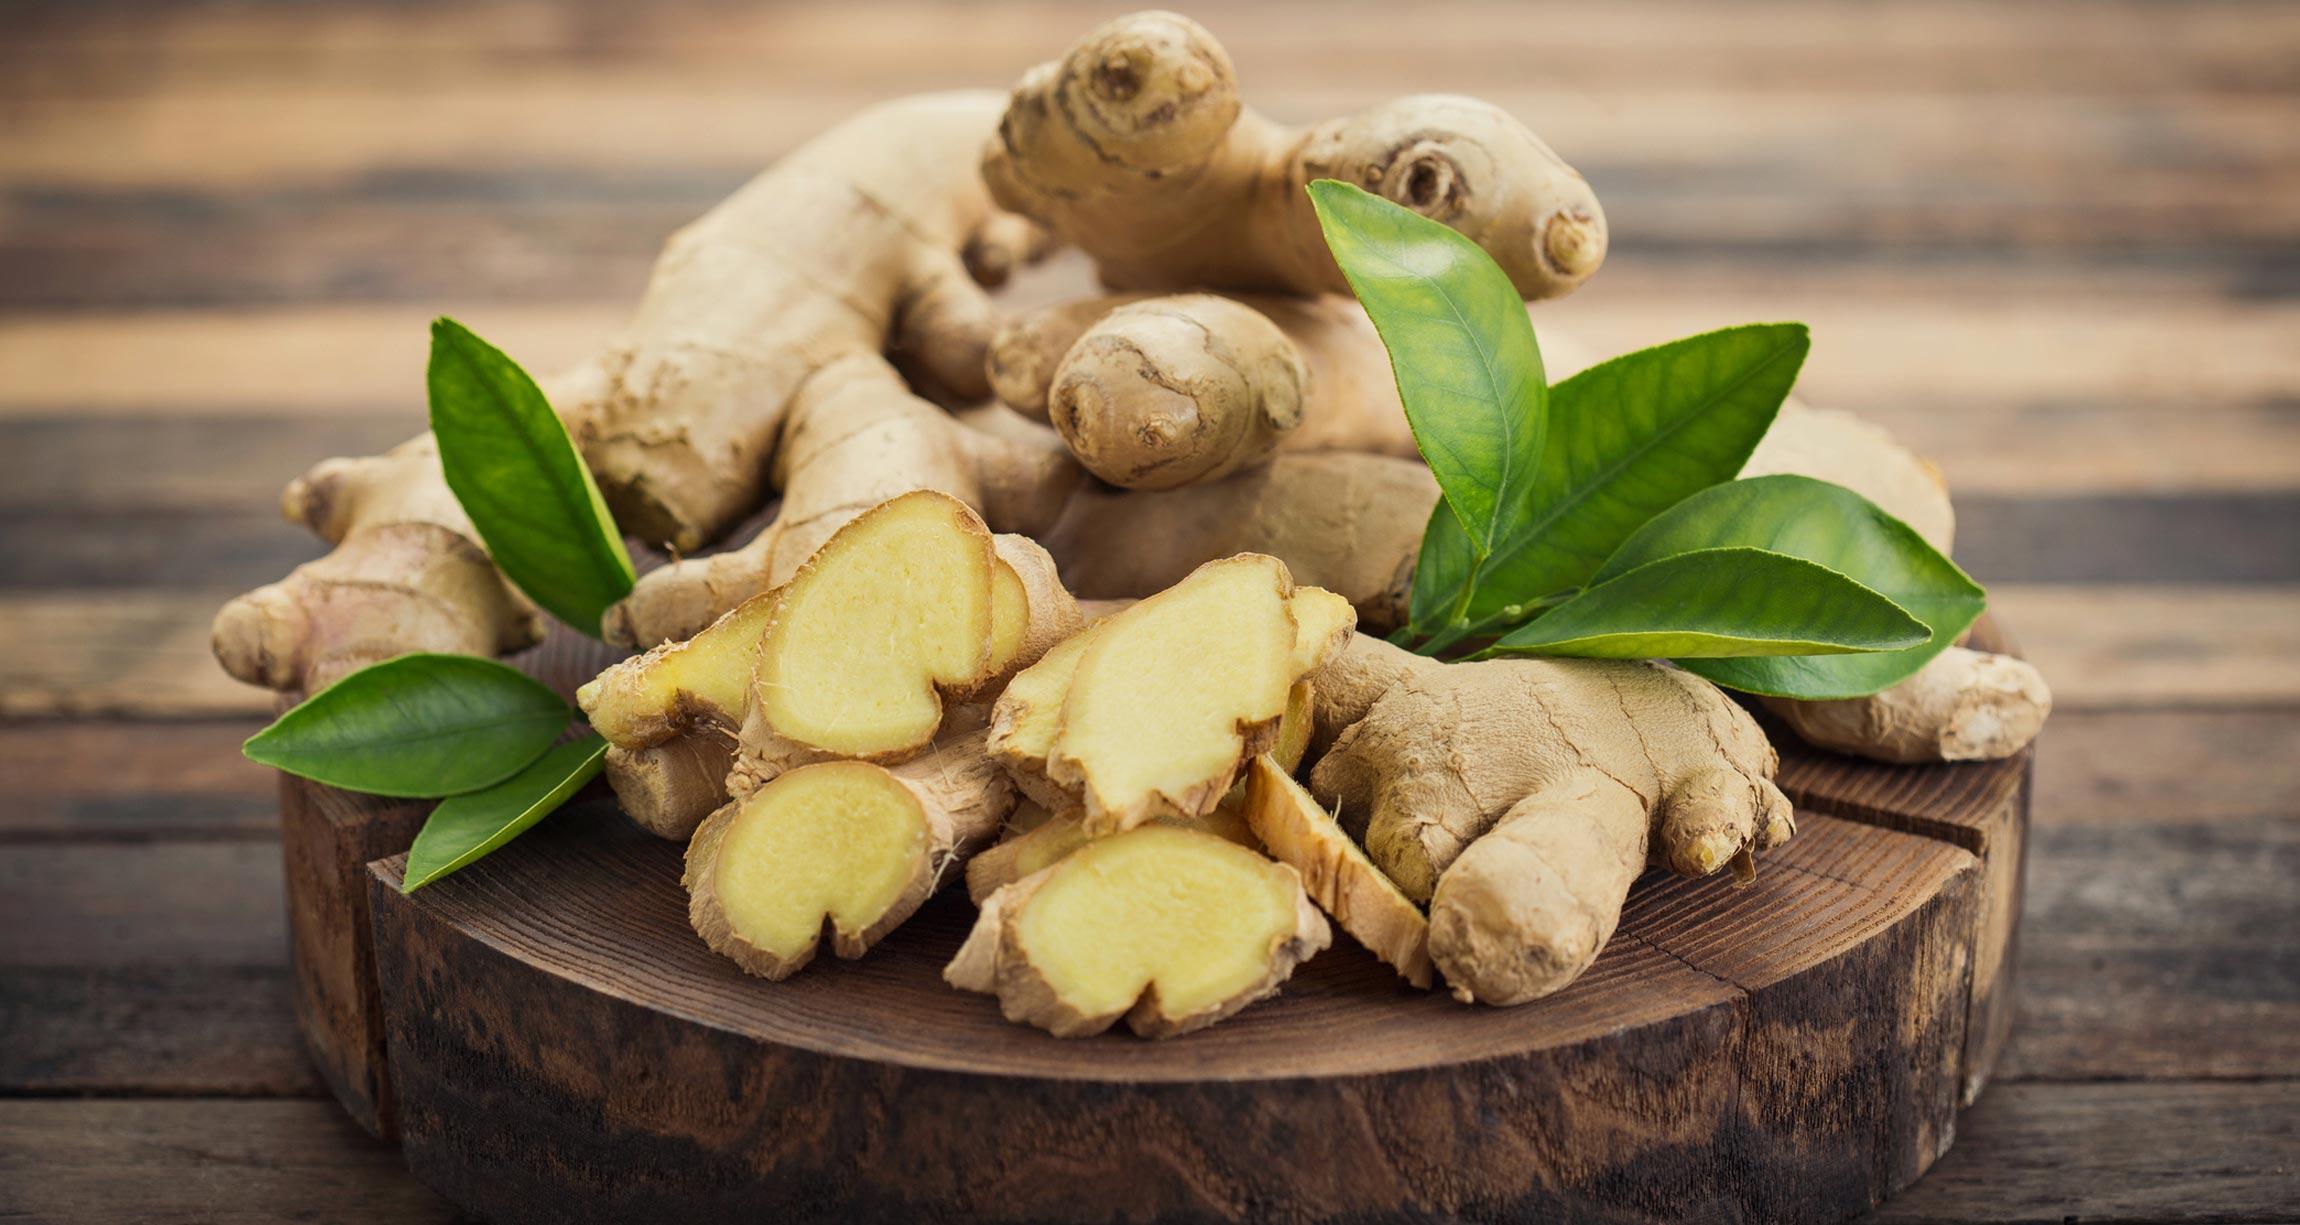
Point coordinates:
[(841, 842), (1295, 831), (652, 697), (1172, 695), (854, 845), (1171, 929), (1323, 622), (893, 612), (1028, 719), (1049, 836)]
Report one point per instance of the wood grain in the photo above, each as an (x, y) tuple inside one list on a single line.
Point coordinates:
[(1812, 1023)]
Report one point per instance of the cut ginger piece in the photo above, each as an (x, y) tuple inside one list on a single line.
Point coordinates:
[(1048, 837), (1027, 719), (1298, 832), (1171, 929), (650, 698), (891, 614), (849, 846), (1170, 697)]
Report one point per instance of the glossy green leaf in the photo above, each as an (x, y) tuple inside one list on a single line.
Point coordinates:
[(1443, 570), (511, 464), (1632, 437), (467, 828), (1461, 348), (417, 726), (1837, 528), (1719, 603)]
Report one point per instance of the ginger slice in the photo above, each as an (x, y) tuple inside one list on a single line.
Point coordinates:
[(1323, 622), (1030, 611), (650, 698), (894, 611), (1047, 837), (850, 846), (1297, 832), (1171, 929), (1171, 696)]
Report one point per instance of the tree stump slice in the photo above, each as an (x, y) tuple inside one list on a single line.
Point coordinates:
[(551, 1042)]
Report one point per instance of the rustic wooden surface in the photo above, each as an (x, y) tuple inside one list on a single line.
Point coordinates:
[(2057, 245)]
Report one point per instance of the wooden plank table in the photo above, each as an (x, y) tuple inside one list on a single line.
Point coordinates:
[(2055, 245)]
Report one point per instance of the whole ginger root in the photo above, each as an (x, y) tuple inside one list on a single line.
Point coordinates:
[(763, 336), (1135, 148), (1519, 798)]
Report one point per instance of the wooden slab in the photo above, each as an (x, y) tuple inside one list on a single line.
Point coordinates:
[(548, 1041)]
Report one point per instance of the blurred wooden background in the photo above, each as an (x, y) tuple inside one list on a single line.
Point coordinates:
[(2054, 245)]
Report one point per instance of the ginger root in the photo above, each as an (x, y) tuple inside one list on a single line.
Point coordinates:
[(760, 337), (1161, 392), (843, 846), (1135, 148), (1296, 832), (1162, 704), (1171, 929), (1964, 705), (1521, 797)]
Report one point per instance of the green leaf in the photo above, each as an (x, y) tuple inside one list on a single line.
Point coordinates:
[(1461, 347), (417, 726), (1632, 437), (467, 828), (1716, 603), (511, 464), (1443, 570), (1837, 528)]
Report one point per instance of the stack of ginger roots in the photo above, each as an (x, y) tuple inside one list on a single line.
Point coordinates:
[(928, 665)]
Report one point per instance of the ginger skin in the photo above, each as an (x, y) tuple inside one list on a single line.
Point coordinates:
[(1290, 826), (1135, 148), (1525, 848), (765, 321), (1155, 393)]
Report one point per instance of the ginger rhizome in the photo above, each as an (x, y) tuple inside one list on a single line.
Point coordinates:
[(1161, 705), (905, 606), (1154, 393), (1520, 797), (1171, 929), (1295, 831), (843, 848), (1135, 147), (762, 337)]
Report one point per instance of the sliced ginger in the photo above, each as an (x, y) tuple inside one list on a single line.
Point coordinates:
[(1154, 711), (1048, 837), (893, 612), (649, 699), (847, 845), (1297, 832), (674, 714), (1171, 929)]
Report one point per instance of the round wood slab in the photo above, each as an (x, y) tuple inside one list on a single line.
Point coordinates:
[(550, 1042)]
